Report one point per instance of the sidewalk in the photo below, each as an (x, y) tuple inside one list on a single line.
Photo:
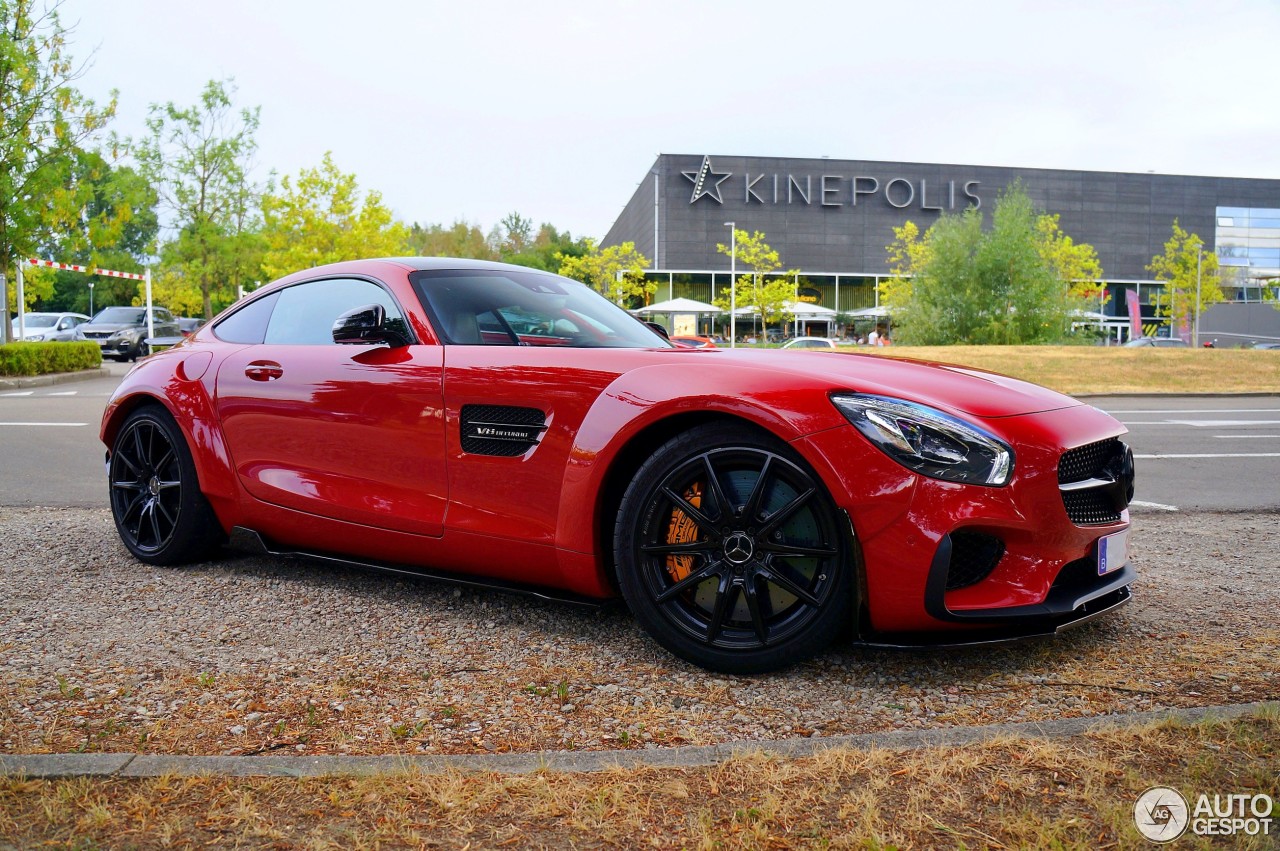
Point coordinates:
[(159, 765), (21, 382)]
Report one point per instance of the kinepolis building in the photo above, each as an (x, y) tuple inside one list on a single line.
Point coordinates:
[(832, 219)]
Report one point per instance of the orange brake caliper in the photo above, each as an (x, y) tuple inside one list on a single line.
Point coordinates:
[(682, 530)]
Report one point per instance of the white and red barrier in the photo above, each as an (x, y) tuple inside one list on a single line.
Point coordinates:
[(88, 270), (71, 267)]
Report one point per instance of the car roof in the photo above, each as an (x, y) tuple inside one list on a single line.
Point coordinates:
[(373, 265)]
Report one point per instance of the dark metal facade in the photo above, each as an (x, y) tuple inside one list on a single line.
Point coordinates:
[(837, 216)]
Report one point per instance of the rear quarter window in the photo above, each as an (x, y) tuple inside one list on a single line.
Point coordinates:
[(249, 323)]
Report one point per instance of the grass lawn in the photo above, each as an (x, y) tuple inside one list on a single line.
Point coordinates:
[(1096, 369), (1009, 793)]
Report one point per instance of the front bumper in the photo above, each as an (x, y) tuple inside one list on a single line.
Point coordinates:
[(904, 525)]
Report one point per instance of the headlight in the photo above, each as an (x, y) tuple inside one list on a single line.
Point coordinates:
[(928, 441)]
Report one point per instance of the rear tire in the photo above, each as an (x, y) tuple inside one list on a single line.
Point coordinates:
[(731, 553), (159, 511)]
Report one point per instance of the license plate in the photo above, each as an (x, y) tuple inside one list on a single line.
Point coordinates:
[(1113, 552)]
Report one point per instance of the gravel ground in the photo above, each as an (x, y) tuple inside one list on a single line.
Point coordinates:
[(251, 654)]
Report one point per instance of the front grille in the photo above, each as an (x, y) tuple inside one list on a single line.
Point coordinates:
[(1095, 506), (973, 556), (97, 335), (1085, 462), (1090, 508)]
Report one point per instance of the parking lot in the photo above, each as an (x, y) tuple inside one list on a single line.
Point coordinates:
[(252, 654)]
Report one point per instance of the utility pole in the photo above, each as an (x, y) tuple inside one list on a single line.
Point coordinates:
[(733, 283), (1195, 333), (4, 308)]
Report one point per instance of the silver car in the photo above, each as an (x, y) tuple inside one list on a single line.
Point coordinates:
[(50, 327)]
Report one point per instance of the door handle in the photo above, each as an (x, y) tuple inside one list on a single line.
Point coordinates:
[(264, 370)]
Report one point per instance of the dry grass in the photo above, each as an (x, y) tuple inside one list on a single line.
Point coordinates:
[(1012, 793), (1090, 369)]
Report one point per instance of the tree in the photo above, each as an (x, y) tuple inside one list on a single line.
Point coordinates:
[(115, 228), (1013, 283), (1074, 263), (198, 157), (459, 240), (616, 272), (321, 218), (1177, 267), (548, 248), (43, 122), (514, 235), (768, 296)]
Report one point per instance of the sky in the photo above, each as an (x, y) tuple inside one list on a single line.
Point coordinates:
[(470, 110)]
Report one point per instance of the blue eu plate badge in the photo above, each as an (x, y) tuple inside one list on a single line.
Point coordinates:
[(1113, 552)]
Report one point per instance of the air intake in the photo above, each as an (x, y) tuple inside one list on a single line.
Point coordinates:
[(501, 430)]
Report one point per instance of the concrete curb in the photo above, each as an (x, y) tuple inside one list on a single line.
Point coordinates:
[(19, 382), (50, 766)]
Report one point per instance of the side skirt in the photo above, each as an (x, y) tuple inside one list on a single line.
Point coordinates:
[(251, 540)]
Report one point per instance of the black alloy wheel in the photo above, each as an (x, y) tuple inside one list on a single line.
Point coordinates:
[(160, 513), (731, 553)]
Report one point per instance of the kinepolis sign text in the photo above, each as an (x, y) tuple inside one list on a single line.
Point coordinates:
[(830, 190)]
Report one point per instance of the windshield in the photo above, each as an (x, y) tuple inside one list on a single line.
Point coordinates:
[(498, 307), (35, 320), (122, 316)]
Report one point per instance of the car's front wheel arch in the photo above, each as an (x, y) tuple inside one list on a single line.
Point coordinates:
[(732, 553)]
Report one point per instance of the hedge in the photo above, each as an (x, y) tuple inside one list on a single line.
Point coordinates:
[(42, 358)]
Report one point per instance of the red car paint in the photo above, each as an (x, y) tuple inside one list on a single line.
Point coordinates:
[(356, 450)]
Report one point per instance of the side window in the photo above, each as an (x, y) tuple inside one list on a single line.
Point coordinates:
[(249, 323), (67, 322), (305, 313)]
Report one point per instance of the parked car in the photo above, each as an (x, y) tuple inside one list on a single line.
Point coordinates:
[(690, 342), (121, 332), (749, 509), (50, 327), (1156, 342), (811, 343), (188, 326)]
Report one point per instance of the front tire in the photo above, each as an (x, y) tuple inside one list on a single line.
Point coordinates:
[(160, 513), (731, 553)]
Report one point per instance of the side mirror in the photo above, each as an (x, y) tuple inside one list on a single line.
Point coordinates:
[(367, 324), (658, 329)]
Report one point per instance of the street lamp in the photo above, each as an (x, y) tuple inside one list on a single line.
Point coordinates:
[(91, 297), (1195, 333), (733, 283)]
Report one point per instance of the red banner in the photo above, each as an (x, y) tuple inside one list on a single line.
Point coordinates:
[(1135, 314)]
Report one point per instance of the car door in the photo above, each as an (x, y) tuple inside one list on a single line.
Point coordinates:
[(349, 432)]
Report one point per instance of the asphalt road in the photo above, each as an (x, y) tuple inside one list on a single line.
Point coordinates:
[(1193, 453)]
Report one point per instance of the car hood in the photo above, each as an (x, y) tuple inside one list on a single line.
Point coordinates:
[(111, 326), (970, 391)]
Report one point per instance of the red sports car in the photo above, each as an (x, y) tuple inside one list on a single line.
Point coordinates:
[(499, 426)]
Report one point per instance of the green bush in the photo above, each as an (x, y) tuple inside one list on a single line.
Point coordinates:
[(42, 358)]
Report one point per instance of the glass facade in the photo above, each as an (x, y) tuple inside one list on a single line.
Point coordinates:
[(1248, 245)]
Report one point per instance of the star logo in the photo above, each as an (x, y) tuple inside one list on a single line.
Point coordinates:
[(706, 181)]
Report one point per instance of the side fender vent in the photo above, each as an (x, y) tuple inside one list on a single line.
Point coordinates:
[(501, 430)]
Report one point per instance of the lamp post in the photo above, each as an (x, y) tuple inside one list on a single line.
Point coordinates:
[(733, 283), (1195, 333), (90, 297)]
